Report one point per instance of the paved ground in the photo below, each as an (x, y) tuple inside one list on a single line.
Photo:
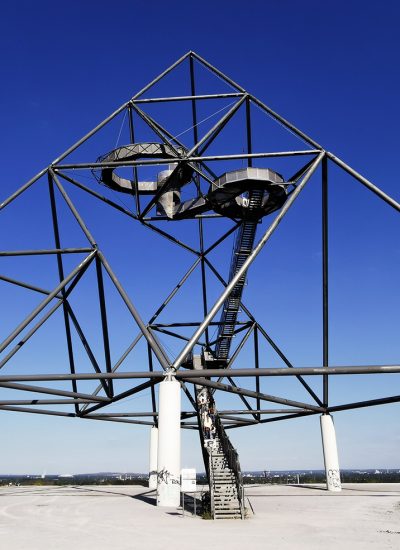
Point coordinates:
[(122, 518)]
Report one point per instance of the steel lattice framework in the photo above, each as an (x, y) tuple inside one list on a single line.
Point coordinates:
[(202, 169)]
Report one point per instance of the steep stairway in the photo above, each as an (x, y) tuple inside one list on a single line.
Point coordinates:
[(241, 250), (222, 461), (226, 492)]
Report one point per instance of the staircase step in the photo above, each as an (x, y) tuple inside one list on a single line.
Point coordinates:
[(227, 509), (224, 483)]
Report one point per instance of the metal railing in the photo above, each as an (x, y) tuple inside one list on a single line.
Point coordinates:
[(230, 454), (242, 248), (232, 459)]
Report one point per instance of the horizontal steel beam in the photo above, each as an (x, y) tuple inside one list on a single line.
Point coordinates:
[(210, 373), (53, 391), (363, 404), (278, 418), (122, 420), (198, 158), (45, 251), (138, 414), (295, 371), (186, 97), (36, 411), (18, 402), (260, 411)]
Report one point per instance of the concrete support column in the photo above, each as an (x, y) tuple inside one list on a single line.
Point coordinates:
[(153, 458), (169, 443), (331, 460)]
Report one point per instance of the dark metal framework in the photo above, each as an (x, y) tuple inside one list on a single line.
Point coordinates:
[(88, 406)]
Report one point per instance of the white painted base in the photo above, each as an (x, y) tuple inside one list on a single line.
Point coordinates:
[(333, 482), (153, 458), (169, 444)]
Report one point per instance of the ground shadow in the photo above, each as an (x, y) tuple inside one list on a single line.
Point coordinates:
[(140, 496), (309, 487)]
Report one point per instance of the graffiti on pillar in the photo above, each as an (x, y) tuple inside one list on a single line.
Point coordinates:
[(164, 476), (334, 479)]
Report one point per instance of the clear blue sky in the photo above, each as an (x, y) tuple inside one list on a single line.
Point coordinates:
[(332, 71)]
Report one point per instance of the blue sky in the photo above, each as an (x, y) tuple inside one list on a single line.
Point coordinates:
[(333, 72)]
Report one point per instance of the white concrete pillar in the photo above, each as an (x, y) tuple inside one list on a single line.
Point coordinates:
[(331, 460), (169, 443), (153, 458)]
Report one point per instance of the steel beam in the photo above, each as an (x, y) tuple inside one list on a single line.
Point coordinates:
[(325, 273), (154, 344), (363, 404), (48, 314), (95, 194), (44, 252), (36, 411), (122, 395), (61, 276), (266, 336), (365, 182), (74, 211), (192, 158), (154, 317), (53, 391), (278, 418), (104, 324), (160, 76), (186, 97), (249, 393), (210, 373), (242, 271), (46, 301), (216, 71)]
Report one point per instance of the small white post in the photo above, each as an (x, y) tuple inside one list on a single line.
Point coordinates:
[(169, 443), (331, 460), (153, 458)]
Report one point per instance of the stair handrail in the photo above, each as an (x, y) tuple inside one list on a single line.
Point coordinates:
[(232, 459), (212, 488), (246, 231)]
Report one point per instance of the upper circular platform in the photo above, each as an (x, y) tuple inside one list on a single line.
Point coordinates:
[(248, 193)]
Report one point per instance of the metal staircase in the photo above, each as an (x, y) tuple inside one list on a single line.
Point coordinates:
[(242, 248), (223, 468), (225, 478), (226, 484)]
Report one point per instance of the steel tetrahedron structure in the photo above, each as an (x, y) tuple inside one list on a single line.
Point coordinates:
[(162, 180)]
